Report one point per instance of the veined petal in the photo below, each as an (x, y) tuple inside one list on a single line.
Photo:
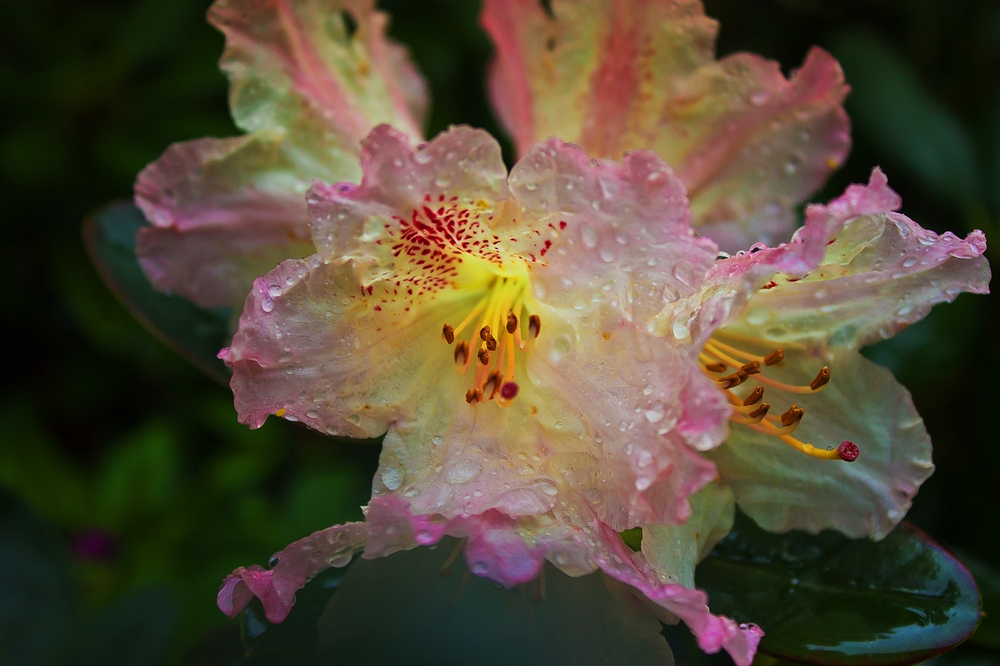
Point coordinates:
[(783, 489), (608, 233), (674, 550), (618, 75), (400, 182), (223, 211), (297, 66), (314, 346), (509, 551)]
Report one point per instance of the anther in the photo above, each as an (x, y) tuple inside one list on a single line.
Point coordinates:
[(511, 322), (754, 397), (735, 379), (534, 325), (484, 333), (484, 356), (492, 384), (775, 357), (472, 396), (491, 343), (822, 379), (449, 333), (751, 368), (792, 416), (462, 353), (760, 412), (848, 451), (509, 390), (716, 367)]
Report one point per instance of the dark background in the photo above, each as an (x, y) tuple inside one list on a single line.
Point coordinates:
[(129, 490)]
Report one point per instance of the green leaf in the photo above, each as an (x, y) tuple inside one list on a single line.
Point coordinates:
[(134, 630), (402, 609), (195, 333), (139, 477), (891, 107), (827, 599)]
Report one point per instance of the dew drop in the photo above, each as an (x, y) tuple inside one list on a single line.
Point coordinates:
[(392, 477), (267, 305)]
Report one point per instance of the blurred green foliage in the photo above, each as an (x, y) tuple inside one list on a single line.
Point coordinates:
[(104, 431)]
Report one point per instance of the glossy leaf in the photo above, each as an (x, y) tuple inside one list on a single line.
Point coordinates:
[(403, 609), (988, 580), (827, 599), (195, 333)]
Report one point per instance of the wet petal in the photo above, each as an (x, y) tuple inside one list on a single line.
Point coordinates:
[(315, 347), (783, 489), (461, 165), (621, 75), (300, 68), (223, 211), (608, 233), (674, 550)]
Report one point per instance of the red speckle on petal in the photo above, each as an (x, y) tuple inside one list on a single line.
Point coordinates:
[(848, 451)]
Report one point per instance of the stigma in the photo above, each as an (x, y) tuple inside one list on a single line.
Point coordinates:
[(494, 330), (732, 367)]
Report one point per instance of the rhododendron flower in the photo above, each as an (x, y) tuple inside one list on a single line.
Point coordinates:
[(780, 330), (496, 330), (617, 75)]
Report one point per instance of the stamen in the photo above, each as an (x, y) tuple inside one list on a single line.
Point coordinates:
[(462, 353), (822, 379), (472, 396), (718, 366), (446, 567), (449, 334), (775, 357), (534, 325), (848, 451), (753, 416), (491, 343), (792, 416), (751, 368), (760, 412), (735, 379), (484, 356), (484, 333), (511, 322), (492, 384), (754, 397)]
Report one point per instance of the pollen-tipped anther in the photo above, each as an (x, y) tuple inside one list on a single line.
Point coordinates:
[(484, 333), (719, 366), (821, 380), (775, 357), (491, 343), (492, 384), (449, 333), (484, 356), (792, 416), (751, 368), (511, 322), (848, 451), (754, 397), (759, 413), (534, 325), (735, 379), (462, 353), (472, 396)]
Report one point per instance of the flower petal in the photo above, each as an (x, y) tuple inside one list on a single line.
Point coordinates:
[(674, 550), (783, 489), (299, 67), (223, 212), (617, 75), (314, 347), (461, 162), (608, 233), (509, 551)]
